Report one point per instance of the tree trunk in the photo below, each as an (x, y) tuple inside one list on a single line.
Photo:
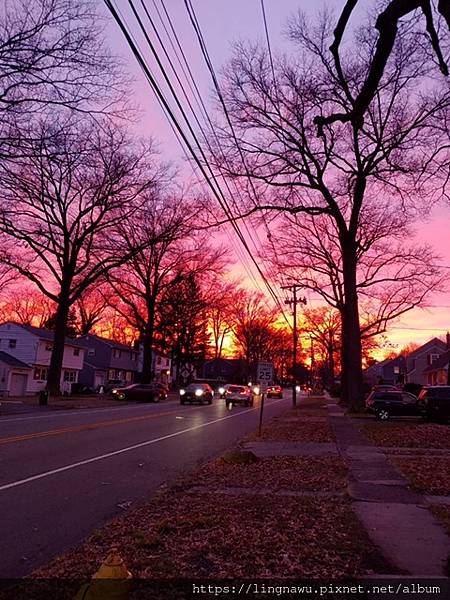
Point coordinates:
[(147, 342), (331, 362), (56, 360), (352, 378)]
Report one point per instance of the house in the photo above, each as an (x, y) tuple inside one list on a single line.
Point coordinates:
[(437, 373), (421, 358), (161, 369), (14, 375), (225, 369), (32, 348), (390, 371), (107, 360)]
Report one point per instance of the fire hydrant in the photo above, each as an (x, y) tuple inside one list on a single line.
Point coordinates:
[(111, 582)]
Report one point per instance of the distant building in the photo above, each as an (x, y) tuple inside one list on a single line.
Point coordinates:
[(14, 375), (107, 360), (421, 358), (31, 347), (161, 368), (228, 370), (390, 371), (417, 367), (437, 373)]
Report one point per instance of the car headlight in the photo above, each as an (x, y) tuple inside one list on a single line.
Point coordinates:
[(221, 390), (182, 392), (256, 390), (199, 392), (297, 388), (114, 391)]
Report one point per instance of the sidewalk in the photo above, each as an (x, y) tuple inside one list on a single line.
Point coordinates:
[(396, 518)]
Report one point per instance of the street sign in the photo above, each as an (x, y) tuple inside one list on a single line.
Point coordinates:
[(264, 374)]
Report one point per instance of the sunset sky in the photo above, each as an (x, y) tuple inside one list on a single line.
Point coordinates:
[(225, 22)]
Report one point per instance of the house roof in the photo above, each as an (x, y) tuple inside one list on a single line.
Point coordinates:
[(12, 361), (84, 341), (440, 363), (47, 334), (433, 342)]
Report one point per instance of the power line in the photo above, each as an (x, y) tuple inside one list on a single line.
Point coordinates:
[(171, 115), (204, 50), (197, 97)]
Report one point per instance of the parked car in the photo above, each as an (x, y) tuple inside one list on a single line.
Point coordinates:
[(385, 387), (113, 384), (434, 402), (385, 404), (82, 389), (197, 392), (238, 394), (140, 392), (275, 391)]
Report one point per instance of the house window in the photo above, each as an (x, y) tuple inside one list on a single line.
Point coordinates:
[(40, 374), (12, 343), (76, 352), (91, 351), (116, 353), (432, 358), (128, 375), (70, 376), (158, 360)]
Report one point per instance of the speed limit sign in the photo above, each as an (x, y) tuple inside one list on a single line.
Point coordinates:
[(264, 374)]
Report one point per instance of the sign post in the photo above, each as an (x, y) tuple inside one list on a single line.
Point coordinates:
[(264, 376)]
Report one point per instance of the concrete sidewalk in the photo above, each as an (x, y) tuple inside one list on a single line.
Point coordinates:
[(396, 518)]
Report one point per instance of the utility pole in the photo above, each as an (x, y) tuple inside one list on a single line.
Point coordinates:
[(294, 287)]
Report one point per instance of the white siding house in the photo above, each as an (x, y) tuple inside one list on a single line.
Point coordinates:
[(33, 346)]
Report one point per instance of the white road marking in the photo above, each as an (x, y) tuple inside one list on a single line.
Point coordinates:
[(122, 450)]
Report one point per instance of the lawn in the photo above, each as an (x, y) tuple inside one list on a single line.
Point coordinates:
[(427, 474), (326, 473), (403, 434)]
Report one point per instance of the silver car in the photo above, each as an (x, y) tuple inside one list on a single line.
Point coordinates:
[(238, 394)]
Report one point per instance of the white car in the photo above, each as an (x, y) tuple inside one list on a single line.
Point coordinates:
[(238, 394)]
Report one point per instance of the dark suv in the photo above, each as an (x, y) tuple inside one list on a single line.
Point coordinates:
[(434, 402), (387, 404)]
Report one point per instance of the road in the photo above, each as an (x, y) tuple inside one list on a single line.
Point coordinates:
[(66, 473)]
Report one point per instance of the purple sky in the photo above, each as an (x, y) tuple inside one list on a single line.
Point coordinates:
[(224, 22)]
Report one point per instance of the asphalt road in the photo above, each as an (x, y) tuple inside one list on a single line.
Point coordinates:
[(64, 474)]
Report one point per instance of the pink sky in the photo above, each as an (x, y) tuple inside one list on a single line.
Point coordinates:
[(222, 24)]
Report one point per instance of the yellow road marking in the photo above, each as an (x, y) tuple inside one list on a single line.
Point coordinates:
[(85, 427)]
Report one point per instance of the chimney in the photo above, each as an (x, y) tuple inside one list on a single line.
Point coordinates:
[(448, 340)]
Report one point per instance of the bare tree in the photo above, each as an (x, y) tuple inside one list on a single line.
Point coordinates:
[(400, 153), (8, 276), (393, 275), (60, 209), (323, 324), (253, 324), (356, 102), (165, 247), (220, 312), (27, 305), (52, 54), (92, 307)]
